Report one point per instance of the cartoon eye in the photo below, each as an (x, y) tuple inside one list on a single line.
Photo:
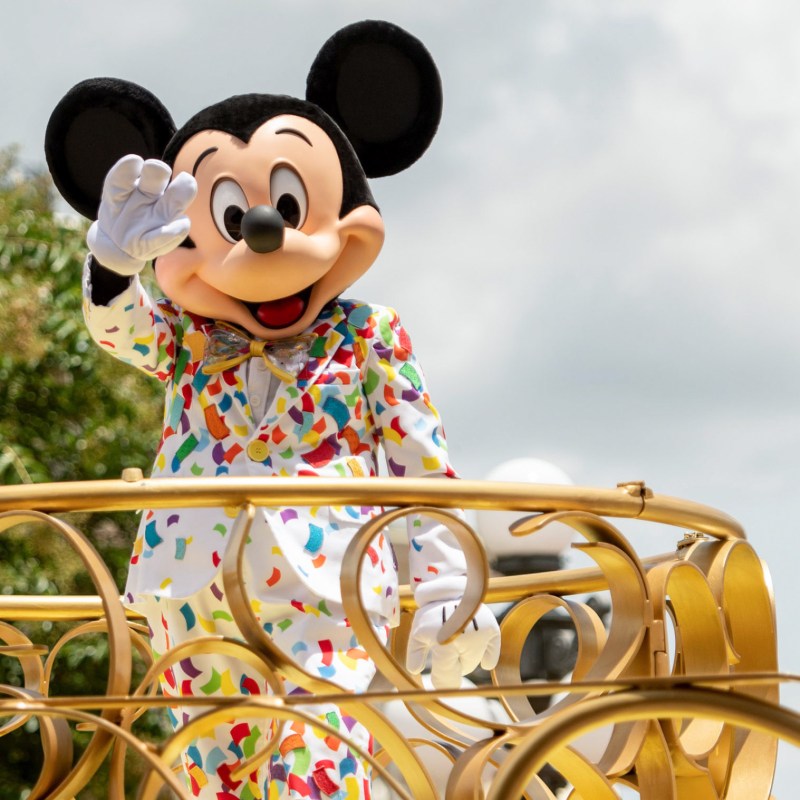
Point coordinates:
[(228, 206), (289, 196)]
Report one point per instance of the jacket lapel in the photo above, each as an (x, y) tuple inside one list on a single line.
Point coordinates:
[(331, 330)]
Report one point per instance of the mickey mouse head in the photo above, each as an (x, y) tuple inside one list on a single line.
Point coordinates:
[(283, 219)]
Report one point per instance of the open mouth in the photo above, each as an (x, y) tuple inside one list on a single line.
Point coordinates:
[(282, 312)]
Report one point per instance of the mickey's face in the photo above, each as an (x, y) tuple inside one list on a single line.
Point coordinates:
[(275, 230), (269, 246)]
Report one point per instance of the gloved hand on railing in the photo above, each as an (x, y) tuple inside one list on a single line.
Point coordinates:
[(479, 643)]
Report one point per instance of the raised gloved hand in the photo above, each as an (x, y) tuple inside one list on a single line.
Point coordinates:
[(479, 643), (142, 214)]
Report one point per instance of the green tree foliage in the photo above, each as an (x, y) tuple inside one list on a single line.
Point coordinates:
[(68, 411)]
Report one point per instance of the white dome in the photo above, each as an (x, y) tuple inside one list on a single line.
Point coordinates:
[(493, 525)]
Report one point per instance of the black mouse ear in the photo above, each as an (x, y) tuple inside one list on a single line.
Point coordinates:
[(96, 123), (380, 85)]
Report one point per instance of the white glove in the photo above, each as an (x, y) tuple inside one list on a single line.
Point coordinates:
[(478, 644), (141, 216)]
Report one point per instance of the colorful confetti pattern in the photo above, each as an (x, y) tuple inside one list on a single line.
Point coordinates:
[(308, 763), (361, 389)]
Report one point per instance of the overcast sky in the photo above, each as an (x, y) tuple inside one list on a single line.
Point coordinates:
[(597, 259)]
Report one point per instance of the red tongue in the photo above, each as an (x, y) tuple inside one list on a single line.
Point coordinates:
[(279, 313)]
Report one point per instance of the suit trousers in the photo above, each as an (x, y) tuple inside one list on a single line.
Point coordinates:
[(307, 763)]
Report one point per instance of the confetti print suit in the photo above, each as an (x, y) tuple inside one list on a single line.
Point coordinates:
[(362, 387)]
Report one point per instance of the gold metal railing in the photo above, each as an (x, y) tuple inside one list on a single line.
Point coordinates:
[(682, 680)]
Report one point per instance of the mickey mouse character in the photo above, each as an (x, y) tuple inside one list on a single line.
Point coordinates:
[(269, 372)]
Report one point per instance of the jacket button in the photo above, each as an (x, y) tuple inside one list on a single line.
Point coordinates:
[(257, 450)]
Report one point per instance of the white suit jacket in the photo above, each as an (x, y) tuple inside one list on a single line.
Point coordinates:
[(362, 387)]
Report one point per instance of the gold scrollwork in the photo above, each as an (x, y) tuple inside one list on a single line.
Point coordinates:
[(683, 678), (119, 672)]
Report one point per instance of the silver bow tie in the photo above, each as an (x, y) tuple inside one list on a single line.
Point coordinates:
[(227, 346)]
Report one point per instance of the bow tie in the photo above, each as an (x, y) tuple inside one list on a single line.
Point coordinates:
[(227, 346)]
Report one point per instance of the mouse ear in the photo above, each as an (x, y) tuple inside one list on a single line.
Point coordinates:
[(382, 88), (96, 123)]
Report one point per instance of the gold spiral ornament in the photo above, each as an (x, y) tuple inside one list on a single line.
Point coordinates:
[(682, 677)]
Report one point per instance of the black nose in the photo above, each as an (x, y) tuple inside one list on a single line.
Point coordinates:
[(262, 229)]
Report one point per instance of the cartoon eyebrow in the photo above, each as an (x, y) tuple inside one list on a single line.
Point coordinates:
[(202, 156), (295, 133)]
